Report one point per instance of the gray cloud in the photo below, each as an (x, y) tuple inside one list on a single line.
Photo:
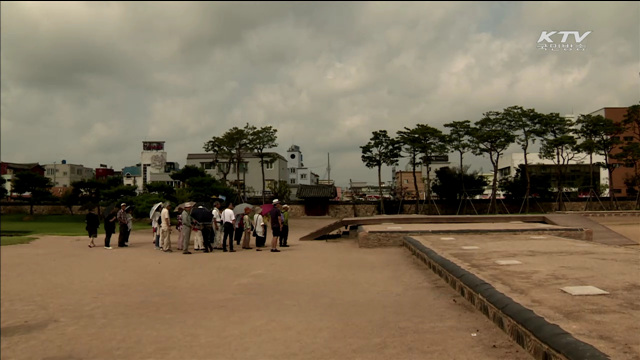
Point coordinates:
[(88, 82)]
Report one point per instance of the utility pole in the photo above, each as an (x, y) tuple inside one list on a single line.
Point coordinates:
[(328, 168)]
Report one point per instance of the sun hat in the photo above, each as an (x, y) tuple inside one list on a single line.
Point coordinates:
[(275, 201)]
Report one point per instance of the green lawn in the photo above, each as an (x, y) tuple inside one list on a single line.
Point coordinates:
[(20, 226)]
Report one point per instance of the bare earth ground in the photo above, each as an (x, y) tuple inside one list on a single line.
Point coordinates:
[(314, 300)]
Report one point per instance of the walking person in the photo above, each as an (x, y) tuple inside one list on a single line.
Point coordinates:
[(186, 228), (129, 214), (217, 226), (227, 225), (124, 228), (276, 224), (247, 230), (155, 224), (93, 223), (238, 225), (109, 228), (260, 229), (165, 227), (285, 226), (179, 228)]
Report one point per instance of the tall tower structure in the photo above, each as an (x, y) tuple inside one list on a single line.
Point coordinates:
[(153, 159)]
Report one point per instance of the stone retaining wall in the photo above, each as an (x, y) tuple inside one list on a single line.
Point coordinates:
[(541, 339)]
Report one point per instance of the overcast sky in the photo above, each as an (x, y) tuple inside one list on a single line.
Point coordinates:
[(88, 82)]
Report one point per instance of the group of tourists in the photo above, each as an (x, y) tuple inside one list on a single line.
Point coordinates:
[(123, 216), (222, 227)]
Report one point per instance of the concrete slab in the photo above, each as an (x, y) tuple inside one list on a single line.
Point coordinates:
[(610, 323), (583, 290), (508, 262)]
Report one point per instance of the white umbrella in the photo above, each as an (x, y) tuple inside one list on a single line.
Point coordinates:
[(239, 209), (153, 209)]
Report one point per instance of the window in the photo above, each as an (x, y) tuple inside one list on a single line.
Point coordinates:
[(223, 167), (628, 138), (79, 172), (303, 176), (64, 173), (406, 181), (292, 170), (293, 181), (615, 138), (207, 165), (268, 166)]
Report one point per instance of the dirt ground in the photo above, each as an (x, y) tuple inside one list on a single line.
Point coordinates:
[(314, 300)]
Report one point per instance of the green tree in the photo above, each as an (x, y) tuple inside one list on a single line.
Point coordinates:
[(599, 136), (450, 182), (410, 141), (69, 199), (37, 186), (260, 140), (113, 194), (515, 187), (492, 135), (526, 126), (381, 150), (458, 140), (3, 190), (165, 190), (433, 144), (187, 172), (280, 190), (560, 146)]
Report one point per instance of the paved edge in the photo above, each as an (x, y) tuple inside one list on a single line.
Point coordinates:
[(541, 339)]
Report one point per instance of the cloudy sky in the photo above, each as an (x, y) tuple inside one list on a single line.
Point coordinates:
[(88, 82)]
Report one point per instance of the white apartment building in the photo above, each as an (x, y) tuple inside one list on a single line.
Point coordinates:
[(250, 170), (63, 174)]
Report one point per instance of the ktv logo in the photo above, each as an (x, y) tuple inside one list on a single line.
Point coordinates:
[(548, 40)]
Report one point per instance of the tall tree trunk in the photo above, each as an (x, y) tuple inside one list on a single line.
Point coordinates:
[(380, 188), (494, 187), (415, 185), (464, 191), (262, 166), (526, 172)]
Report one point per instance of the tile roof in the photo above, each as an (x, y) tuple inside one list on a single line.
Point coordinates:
[(317, 192)]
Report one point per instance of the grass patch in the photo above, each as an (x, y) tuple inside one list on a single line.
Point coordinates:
[(61, 225), (15, 240)]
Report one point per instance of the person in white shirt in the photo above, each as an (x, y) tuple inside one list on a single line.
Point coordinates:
[(227, 223), (165, 228), (260, 229), (217, 225)]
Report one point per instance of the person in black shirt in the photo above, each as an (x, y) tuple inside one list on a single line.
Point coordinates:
[(276, 224), (109, 228), (93, 223)]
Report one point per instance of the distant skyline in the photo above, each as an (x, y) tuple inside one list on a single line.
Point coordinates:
[(89, 82)]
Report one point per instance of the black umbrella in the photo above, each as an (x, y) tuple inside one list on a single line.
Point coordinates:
[(202, 215), (109, 207)]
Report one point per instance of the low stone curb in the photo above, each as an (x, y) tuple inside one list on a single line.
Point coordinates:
[(541, 339)]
